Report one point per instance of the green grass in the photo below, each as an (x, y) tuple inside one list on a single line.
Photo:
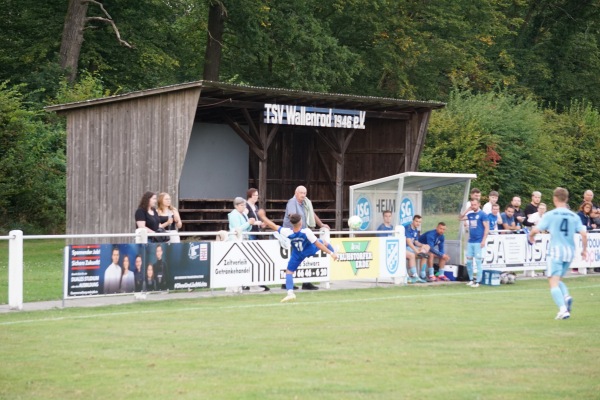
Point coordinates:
[(42, 270), (435, 342)]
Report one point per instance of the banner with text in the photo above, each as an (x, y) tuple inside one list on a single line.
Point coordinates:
[(513, 250), (261, 262)]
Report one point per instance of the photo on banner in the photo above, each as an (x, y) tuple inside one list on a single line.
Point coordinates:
[(102, 269)]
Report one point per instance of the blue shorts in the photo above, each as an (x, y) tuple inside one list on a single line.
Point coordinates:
[(296, 258), (557, 268), (474, 250)]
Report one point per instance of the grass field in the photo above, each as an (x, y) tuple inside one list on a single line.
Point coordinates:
[(436, 342), (42, 270)]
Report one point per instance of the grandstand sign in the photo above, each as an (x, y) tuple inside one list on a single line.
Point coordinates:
[(314, 116)]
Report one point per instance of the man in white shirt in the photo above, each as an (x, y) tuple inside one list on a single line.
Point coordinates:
[(112, 275)]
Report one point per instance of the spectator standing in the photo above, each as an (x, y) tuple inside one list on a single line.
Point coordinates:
[(535, 218), (238, 220), (562, 224), (518, 214), (435, 240), (478, 230), (301, 205), (584, 213), (146, 215), (252, 209), (169, 217), (386, 225), (493, 199), (508, 219), (495, 219), (531, 208)]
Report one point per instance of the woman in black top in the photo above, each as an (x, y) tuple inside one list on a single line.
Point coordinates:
[(146, 215)]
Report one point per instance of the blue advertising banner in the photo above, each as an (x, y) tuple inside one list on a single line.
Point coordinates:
[(96, 269)]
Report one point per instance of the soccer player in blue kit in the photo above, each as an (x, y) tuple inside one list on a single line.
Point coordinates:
[(304, 244), (479, 227), (562, 224)]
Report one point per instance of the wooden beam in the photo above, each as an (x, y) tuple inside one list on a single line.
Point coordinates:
[(421, 136), (260, 153)]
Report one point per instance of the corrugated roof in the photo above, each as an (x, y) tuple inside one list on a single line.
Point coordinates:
[(249, 95)]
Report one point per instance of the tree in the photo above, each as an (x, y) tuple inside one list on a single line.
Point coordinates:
[(72, 37)]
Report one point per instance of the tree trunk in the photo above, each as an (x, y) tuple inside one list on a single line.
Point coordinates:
[(72, 37), (214, 45)]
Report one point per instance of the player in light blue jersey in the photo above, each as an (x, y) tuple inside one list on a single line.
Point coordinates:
[(479, 227), (562, 224), (304, 244)]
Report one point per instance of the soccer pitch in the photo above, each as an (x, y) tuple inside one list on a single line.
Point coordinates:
[(444, 341)]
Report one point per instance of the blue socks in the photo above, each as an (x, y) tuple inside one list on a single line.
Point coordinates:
[(412, 271), (289, 281), (479, 271)]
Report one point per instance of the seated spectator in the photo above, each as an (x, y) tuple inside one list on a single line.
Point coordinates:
[(585, 211), (535, 218), (495, 219), (493, 199), (435, 238), (386, 225), (536, 198), (508, 219)]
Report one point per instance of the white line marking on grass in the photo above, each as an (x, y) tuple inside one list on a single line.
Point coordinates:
[(277, 304)]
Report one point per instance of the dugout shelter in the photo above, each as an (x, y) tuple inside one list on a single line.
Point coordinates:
[(437, 197), (207, 142)]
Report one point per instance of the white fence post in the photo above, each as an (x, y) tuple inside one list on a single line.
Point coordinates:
[(141, 236), (15, 270), (399, 232)]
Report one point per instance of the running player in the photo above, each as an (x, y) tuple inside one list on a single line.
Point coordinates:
[(304, 244), (562, 224)]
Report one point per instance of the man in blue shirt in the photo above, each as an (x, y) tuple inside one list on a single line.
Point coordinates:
[(479, 227), (386, 225), (435, 238), (508, 219), (304, 243), (562, 224), (495, 219), (414, 249)]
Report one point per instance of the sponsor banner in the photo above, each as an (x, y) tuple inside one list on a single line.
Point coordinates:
[(176, 266), (126, 268), (370, 205), (100, 269), (513, 250), (393, 257), (357, 258), (261, 262)]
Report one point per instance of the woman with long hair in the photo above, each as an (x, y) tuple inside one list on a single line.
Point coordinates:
[(146, 216), (169, 215), (127, 277)]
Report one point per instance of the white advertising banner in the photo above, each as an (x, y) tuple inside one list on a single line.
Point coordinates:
[(514, 250), (261, 262), (392, 259)]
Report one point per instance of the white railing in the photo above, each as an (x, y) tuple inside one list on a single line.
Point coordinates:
[(15, 249)]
